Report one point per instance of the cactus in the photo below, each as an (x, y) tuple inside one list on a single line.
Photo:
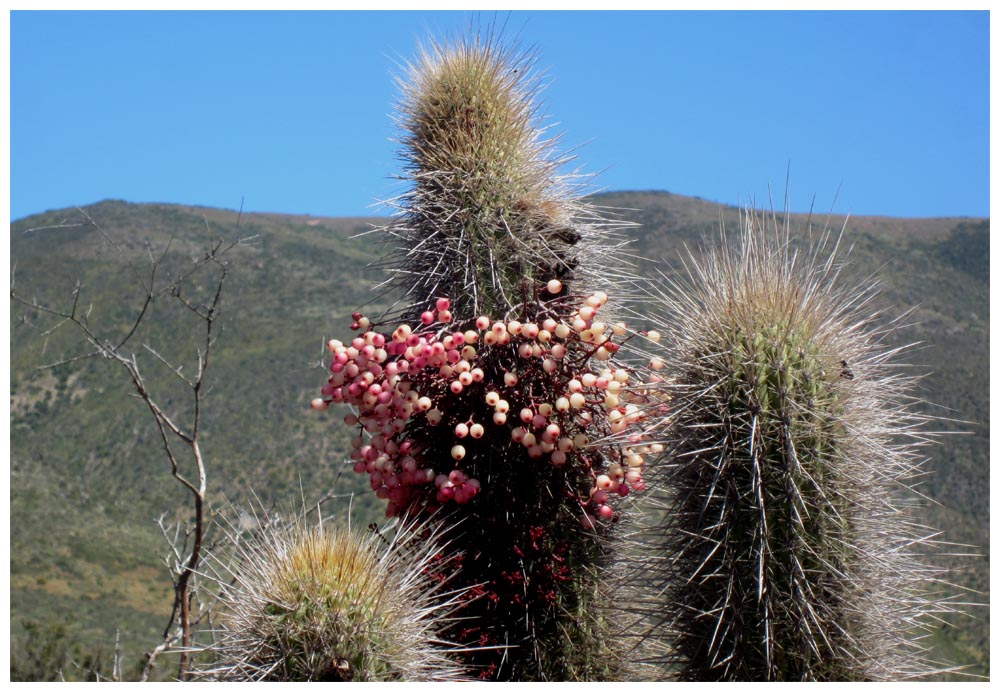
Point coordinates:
[(496, 404), (789, 543), (325, 603)]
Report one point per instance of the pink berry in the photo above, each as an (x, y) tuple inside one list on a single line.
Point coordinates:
[(442, 304), (554, 286), (458, 452), (427, 317)]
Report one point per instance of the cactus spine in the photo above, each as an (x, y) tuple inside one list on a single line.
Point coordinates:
[(791, 447), (325, 603)]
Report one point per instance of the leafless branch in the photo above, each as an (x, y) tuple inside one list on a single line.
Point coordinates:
[(193, 478)]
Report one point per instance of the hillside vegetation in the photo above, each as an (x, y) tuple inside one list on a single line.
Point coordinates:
[(89, 480)]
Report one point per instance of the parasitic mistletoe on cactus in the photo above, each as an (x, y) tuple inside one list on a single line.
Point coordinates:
[(493, 422), (546, 386)]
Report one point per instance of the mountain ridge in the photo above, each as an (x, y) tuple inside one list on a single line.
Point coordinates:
[(593, 197)]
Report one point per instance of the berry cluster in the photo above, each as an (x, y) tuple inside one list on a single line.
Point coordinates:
[(546, 383)]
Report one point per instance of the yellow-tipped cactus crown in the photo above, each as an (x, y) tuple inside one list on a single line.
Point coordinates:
[(325, 603)]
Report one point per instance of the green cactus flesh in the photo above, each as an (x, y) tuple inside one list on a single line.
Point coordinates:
[(777, 525)]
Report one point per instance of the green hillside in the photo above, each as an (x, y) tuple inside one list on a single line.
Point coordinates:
[(89, 480)]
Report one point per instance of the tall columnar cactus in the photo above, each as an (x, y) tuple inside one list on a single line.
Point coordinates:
[(495, 403), (790, 552), (304, 603)]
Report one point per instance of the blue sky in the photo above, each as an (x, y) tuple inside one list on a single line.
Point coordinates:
[(289, 112)]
